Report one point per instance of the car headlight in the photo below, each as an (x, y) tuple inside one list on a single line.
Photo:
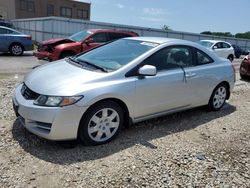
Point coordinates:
[(55, 101)]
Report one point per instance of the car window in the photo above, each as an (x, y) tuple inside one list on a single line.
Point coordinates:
[(225, 45), (7, 31), (116, 54), (114, 36), (170, 57), (219, 45), (3, 31), (100, 37), (202, 58)]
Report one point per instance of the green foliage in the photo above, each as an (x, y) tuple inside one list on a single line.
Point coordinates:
[(245, 35), (166, 28), (224, 34)]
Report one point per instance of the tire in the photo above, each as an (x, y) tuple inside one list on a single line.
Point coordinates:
[(243, 77), (218, 97), (16, 49), (230, 58), (97, 128), (66, 54)]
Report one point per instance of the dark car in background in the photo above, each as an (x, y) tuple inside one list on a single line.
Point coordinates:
[(55, 49), (238, 51), (6, 23), (14, 41), (245, 68)]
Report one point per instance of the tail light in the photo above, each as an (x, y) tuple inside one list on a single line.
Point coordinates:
[(29, 37)]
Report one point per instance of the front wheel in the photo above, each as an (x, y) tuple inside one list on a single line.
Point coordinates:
[(218, 97), (101, 123)]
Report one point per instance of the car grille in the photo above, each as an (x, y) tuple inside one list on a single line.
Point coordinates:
[(28, 93)]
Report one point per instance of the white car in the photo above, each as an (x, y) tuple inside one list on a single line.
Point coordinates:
[(221, 48)]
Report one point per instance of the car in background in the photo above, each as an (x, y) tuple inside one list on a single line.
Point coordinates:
[(92, 95), (221, 48), (14, 41), (6, 23), (238, 51), (55, 49), (245, 68)]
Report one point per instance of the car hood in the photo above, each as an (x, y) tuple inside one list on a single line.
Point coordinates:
[(57, 41), (61, 78)]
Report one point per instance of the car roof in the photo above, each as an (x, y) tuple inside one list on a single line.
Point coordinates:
[(109, 30), (5, 27), (214, 41), (159, 40)]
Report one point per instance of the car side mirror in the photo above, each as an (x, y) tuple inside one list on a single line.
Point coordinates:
[(147, 70), (89, 40), (215, 47)]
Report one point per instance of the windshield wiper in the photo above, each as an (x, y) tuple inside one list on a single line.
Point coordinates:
[(93, 65)]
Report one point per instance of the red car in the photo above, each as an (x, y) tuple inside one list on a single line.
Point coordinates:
[(55, 49), (245, 68)]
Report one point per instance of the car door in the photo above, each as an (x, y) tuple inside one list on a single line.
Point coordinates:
[(168, 89), (227, 49), (219, 50), (200, 78), (4, 44)]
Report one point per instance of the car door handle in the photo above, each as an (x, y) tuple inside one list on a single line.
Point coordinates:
[(190, 75)]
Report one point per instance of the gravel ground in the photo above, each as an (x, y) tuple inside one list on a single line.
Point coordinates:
[(195, 148)]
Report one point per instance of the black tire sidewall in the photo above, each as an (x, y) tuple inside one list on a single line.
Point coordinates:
[(211, 103), (83, 127)]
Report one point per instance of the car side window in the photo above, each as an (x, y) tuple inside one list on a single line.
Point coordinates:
[(225, 45), (170, 58), (3, 31), (218, 45), (202, 58), (114, 36), (100, 38)]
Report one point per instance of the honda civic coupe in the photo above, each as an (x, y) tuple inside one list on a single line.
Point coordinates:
[(221, 48), (92, 95), (55, 49), (14, 41)]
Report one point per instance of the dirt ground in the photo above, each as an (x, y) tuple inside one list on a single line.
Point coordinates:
[(195, 148)]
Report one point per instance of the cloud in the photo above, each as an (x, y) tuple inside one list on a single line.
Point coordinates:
[(154, 11), (120, 5)]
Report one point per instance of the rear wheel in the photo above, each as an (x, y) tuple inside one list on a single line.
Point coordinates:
[(218, 97), (16, 49), (101, 123)]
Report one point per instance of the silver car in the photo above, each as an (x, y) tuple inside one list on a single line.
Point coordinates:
[(92, 95)]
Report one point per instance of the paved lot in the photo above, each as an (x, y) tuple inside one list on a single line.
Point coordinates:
[(195, 148)]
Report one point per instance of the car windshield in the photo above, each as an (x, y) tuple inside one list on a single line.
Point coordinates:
[(116, 54), (207, 44), (80, 36)]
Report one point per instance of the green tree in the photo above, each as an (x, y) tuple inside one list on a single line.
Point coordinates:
[(166, 28), (245, 35)]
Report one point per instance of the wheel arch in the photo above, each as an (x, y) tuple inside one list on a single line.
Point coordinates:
[(122, 104), (13, 43), (228, 88)]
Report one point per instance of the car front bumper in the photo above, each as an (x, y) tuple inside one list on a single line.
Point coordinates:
[(52, 123), (45, 55)]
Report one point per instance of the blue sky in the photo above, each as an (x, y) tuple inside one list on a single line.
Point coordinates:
[(181, 15)]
